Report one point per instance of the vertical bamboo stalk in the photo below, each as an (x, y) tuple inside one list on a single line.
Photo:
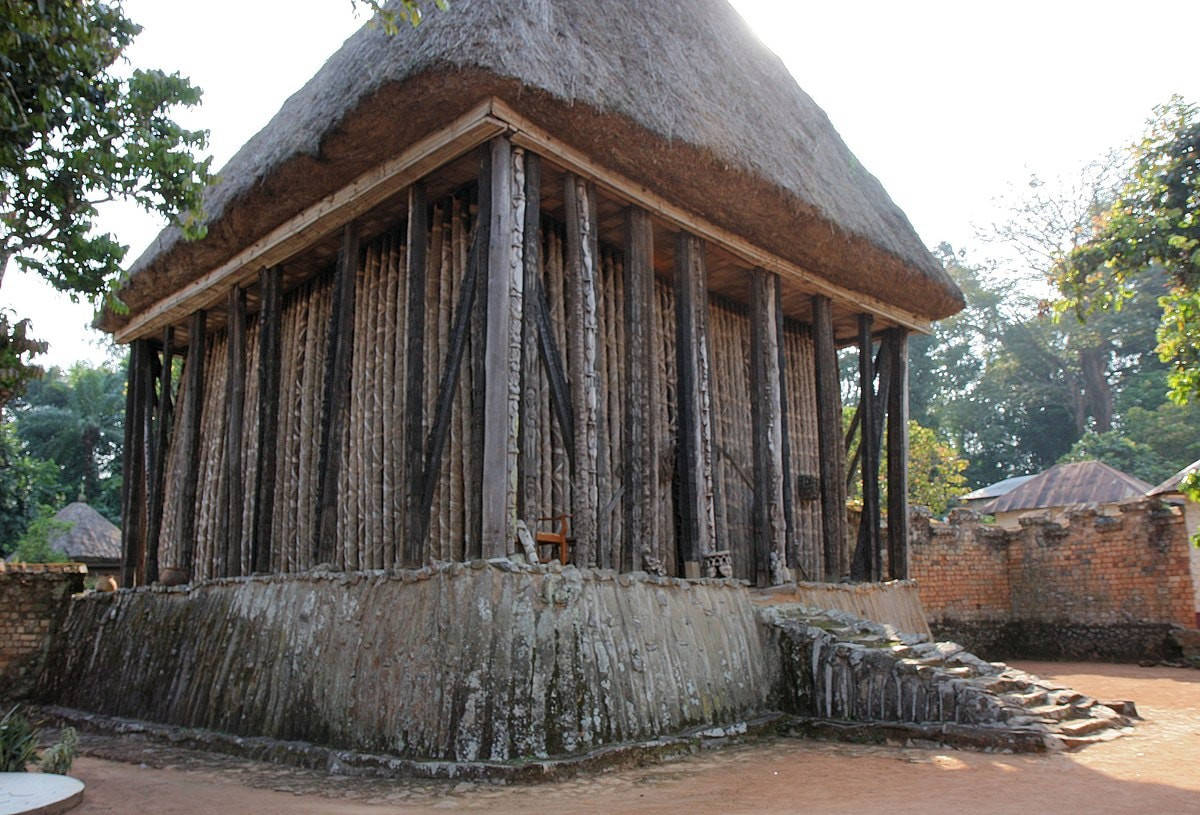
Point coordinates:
[(161, 456), (194, 390), (641, 373)]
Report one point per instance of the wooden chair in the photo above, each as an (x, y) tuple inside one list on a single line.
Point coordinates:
[(553, 540)]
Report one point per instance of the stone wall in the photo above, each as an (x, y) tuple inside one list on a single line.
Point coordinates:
[(486, 661), (33, 600), (1093, 587)]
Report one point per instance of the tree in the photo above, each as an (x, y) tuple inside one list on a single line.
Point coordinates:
[(1154, 221), (75, 419), (935, 470), (75, 133), (26, 484)]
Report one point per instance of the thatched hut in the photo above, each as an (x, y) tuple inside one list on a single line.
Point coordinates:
[(88, 538), (528, 259)]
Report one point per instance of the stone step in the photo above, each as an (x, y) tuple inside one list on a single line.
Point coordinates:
[(1025, 699), (1053, 712), (1082, 727)]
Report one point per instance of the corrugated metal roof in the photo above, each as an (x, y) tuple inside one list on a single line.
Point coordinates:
[(1082, 482), (996, 490), (1172, 483)]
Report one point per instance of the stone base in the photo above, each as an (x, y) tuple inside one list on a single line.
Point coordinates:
[(1027, 639)]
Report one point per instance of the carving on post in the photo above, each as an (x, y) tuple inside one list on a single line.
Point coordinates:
[(770, 524), (829, 440)]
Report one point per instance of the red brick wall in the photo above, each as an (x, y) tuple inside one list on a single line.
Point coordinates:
[(1093, 570), (33, 598)]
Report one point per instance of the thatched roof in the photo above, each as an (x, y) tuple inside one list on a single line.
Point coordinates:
[(91, 536), (1171, 485), (681, 97), (1065, 485)]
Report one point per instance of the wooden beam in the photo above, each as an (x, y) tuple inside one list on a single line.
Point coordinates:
[(502, 354), (829, 441), (865, 566), (641, 438), (161, 447), (321, 219), (415, 545), (235, 401), (338, 360), (270, 361), (694, 445), (766, 416), (897, 442), (193, 391), (581, 273), (525, 133), (531, 271)]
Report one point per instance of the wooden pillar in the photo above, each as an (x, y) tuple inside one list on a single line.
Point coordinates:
[(694, 444), (414, 546), (502, 355), (162, 441), (193, 406), (791, 544), (642, 439), (866, 565), (581, 273), (829, 441), (235, 399), (138, 402), (766, 416), (477, 371), (897, 442), (270, 360), (338, 360), (531, 256)]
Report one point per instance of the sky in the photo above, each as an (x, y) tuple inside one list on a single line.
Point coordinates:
[(952, 105)]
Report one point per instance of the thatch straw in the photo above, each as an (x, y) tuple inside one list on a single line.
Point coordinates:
[(681, 97)]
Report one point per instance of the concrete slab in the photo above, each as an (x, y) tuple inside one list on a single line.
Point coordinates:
[(38, 793)]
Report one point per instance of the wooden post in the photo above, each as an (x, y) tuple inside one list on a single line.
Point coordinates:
[(582, 327), (338, 360), (829, 440), (770, 525), (867, 555), (161, 443), (897, 441), (235, 399), (133, 486), (270, 353), (414, 544), (192, 408), (642, 448), (502, 355), (531, 256), (477, 370), (792, 545), (695, 428)]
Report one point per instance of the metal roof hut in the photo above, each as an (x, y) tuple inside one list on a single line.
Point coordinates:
[(528, 259), (1080, 483)]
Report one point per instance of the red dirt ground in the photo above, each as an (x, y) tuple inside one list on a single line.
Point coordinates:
[(1154, 770)]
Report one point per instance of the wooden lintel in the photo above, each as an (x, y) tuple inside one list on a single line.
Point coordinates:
[(319, 220)]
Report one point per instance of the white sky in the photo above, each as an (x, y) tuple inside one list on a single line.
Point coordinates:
[(947, 103)]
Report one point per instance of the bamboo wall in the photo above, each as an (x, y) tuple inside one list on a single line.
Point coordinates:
[(372, 488)]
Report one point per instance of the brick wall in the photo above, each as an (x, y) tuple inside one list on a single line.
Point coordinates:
[(1093, 586), (33, 600)]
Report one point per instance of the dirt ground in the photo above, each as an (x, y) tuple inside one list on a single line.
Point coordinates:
[(1155, 770)]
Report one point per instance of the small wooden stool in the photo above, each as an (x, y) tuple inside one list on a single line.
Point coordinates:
[(553, 540)]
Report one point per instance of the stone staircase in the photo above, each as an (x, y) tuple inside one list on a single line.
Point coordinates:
[(846, 677)]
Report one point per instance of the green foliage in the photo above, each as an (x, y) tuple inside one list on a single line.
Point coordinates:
[(58, 757), (17, 348), (1189, 485), (26, 484), (18, 742), (34, 545), (74, 133), (1154, 222), (390, 15), (1120, 452), (935, 470)]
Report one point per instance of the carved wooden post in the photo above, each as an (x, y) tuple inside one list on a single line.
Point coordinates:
[(642, 447), (695, 424), (897, 442), (829, 440), (270, 360), (867, 561), (235, 399), (502, 354), (161, 443), (531, 255), (414, 543), (581, 363), (138, 400), (770, 524), (792, 545), (193, 405), (338, 360)]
